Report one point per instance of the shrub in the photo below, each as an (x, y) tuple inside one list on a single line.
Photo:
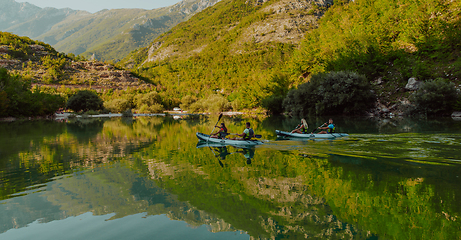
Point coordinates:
[(435, 97), (156, 108), (91, 112), (17, 99), (214, 103), (85, 100), (117, 105), (331, 93), (273, 104), (148, 99), (127, 113), (186, 101), (3, 103)]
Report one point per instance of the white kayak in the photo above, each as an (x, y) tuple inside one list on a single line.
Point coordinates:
[(225, 141), (310, 135)]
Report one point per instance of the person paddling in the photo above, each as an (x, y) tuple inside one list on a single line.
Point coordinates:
[(247, 134), (222, 133), (330, 128), (302, 127)]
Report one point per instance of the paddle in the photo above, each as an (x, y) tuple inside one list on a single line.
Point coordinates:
[(317, 128), (219, 118)]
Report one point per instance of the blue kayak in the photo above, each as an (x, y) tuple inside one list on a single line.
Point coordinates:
[(225, 141), (310, 135)]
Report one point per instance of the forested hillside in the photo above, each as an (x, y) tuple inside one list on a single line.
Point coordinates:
[(237, 49), (304, 57), (250, 51), (36, 80)]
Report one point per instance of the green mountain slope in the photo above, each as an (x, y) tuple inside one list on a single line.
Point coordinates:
[(251, 51), (237, 48)]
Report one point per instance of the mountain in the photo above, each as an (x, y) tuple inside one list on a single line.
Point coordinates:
[(253, 51), (237, 48), (108, 34), (43, 65), (25, 19)]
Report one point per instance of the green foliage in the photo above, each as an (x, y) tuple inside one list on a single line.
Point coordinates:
[(274, 104), (54, 68), (85, 100), (18, 100), (155, 108), (435, 97), (214, 104), (148, 99), (4, 101), (19, 46), (186, 101), (91, 112), (127, 113), (275, 90), (117, 105), (374, 37), (225, 62), (331, 93)]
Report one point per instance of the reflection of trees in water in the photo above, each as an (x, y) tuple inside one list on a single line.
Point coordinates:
[(85, 129), (280, 195), (20, 135), (265, 199)]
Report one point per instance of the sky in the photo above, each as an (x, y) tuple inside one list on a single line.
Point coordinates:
[(97, 5)]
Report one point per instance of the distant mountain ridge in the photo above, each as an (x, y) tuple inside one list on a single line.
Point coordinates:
[(108, 34)]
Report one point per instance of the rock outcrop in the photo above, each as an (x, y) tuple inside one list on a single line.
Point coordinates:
[(413, 84)]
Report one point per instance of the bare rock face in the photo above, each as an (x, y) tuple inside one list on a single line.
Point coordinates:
[(286, 21), (413, 84), (4, 49), (153, 48)]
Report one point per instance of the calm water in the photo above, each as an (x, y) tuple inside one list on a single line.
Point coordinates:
[(146, 178)]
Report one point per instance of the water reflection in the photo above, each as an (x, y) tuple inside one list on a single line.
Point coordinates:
[(392, 180)]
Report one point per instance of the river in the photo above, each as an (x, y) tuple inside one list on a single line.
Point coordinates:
[(146, 178)]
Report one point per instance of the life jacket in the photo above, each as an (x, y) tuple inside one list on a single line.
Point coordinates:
[(249, 135), (303, 129), (331, 130), (223, 132)]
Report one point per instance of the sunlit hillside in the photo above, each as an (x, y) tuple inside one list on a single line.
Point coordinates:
[(252, 52)]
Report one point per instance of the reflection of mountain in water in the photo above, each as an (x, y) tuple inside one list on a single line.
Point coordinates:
[(112, 189), (263, 207)]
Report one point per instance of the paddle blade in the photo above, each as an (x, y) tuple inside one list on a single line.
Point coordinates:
[(258, 136)]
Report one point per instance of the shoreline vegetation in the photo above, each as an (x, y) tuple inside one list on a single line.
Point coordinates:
[(388, 67), (67, 115), (175, 114)]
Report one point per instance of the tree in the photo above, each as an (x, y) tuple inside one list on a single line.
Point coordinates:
[(331, 93), (85, 100), (17, 99), (435, 97)]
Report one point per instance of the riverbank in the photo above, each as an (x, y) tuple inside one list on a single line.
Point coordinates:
[(175, 114)]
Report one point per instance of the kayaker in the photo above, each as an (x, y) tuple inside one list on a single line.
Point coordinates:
[(330, 127), (302, 127), (247, 134), (222, 133)]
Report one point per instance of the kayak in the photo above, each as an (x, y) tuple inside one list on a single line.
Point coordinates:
[(225, 141), (310, 135)]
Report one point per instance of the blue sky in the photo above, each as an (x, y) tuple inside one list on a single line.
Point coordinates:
[(97, 5)]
